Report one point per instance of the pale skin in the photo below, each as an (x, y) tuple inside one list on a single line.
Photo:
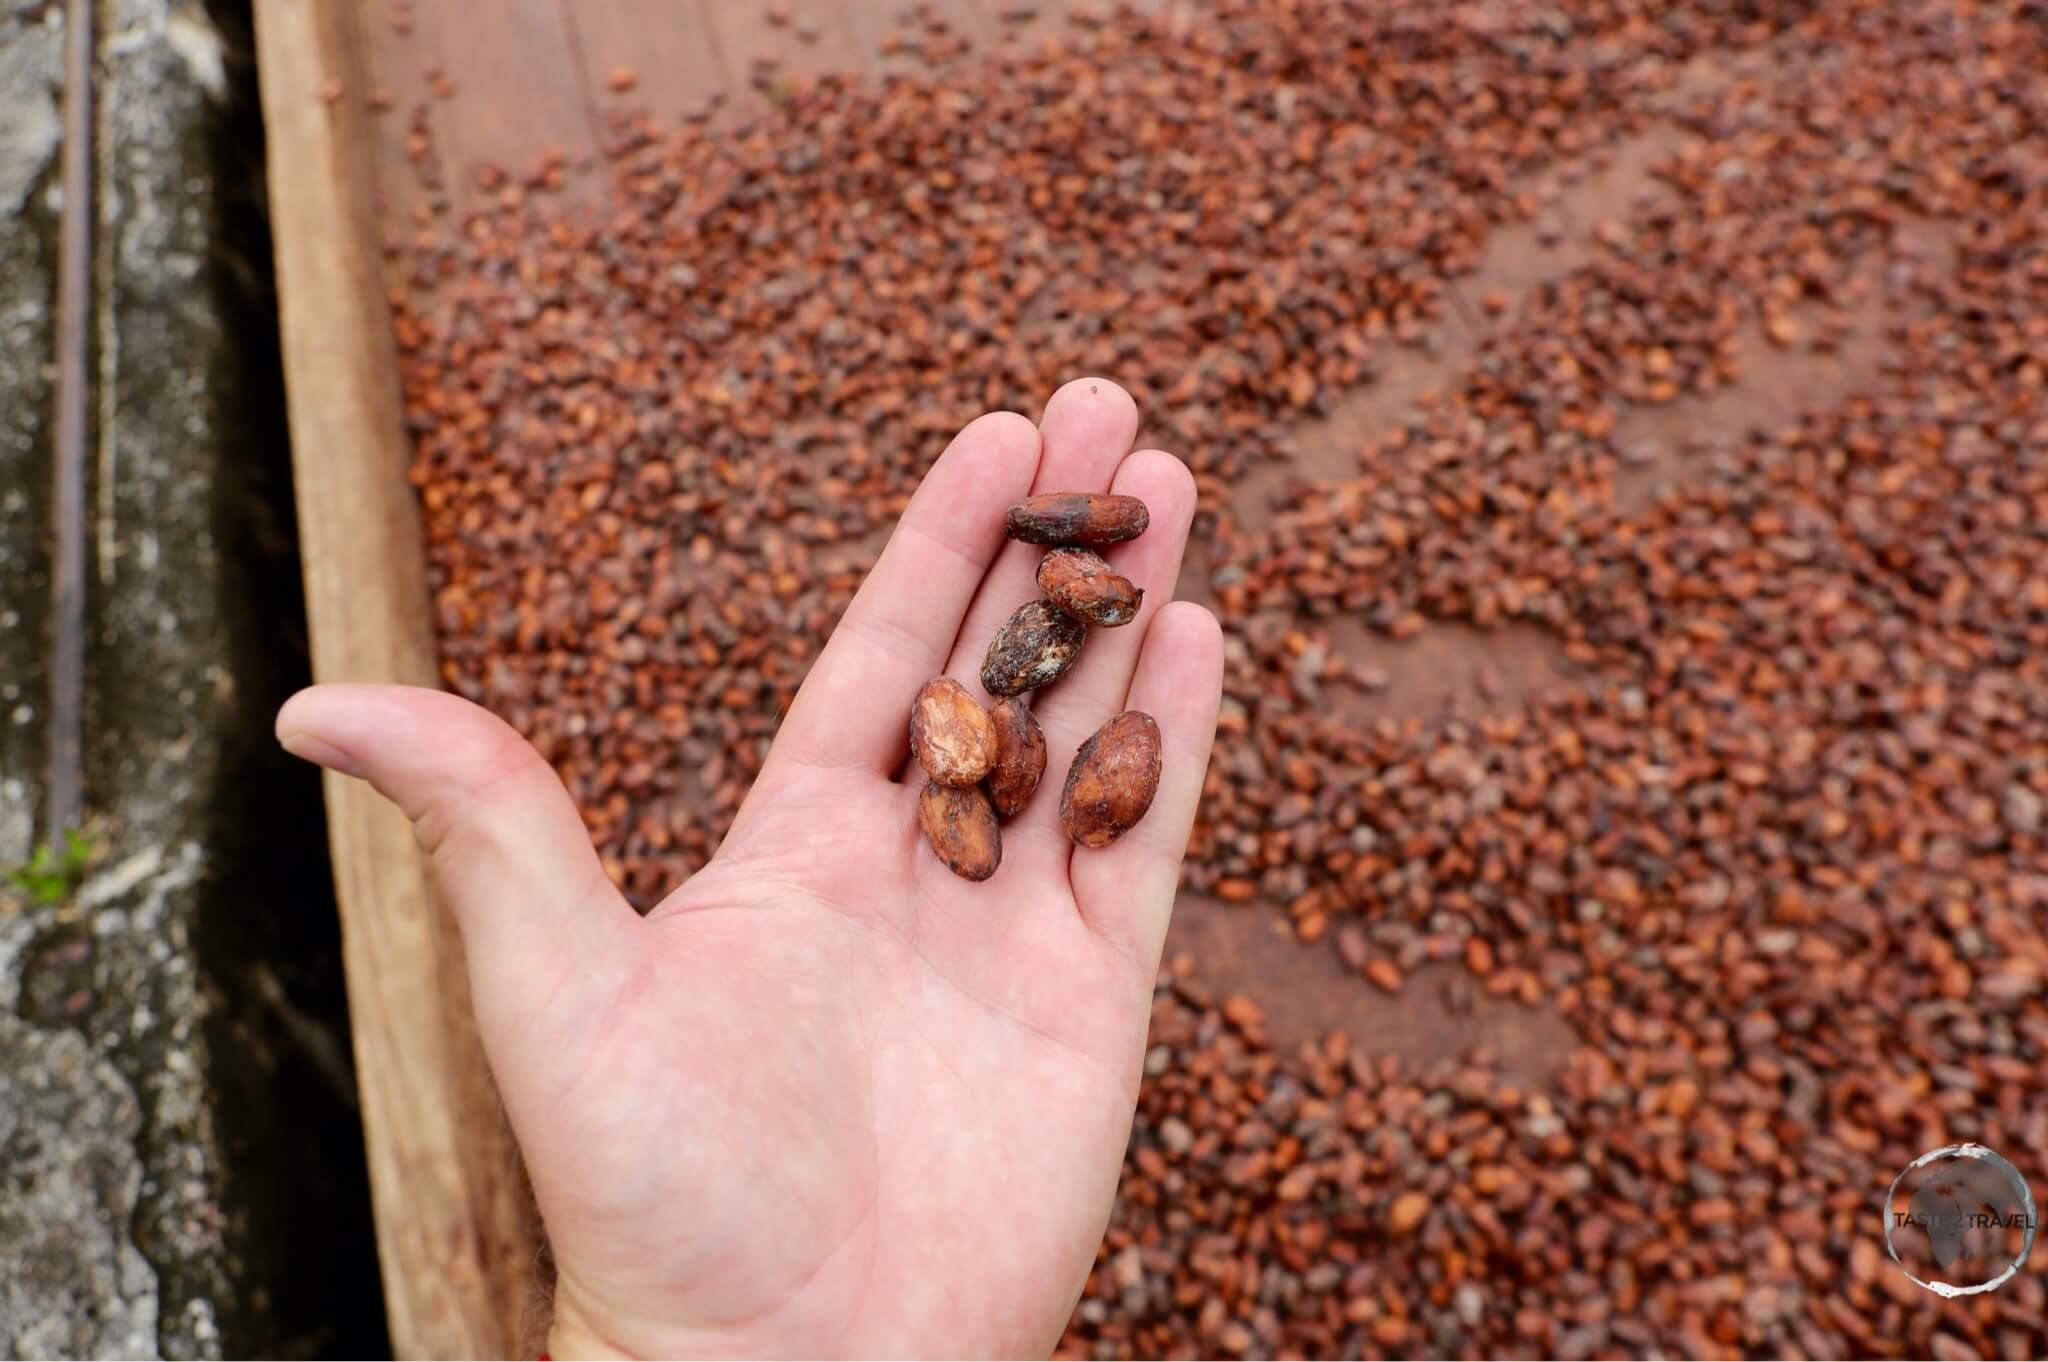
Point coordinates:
[(826, 1098)]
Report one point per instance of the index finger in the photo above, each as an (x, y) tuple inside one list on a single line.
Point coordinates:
[(900, 629)]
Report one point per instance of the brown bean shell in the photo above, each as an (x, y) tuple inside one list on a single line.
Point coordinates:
[(1077, 518), (960, 823), (951, 735), (1112, 780), (1082, 583), (1020, 756), (1033, 649)]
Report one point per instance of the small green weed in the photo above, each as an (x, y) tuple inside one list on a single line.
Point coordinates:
[(52, 873)]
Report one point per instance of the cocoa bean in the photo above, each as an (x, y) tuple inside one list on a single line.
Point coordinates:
[(960, 824), (1020, 756), (1077, 518), (1033, 649), (1112, 781), (951, 735), (1082, 583)]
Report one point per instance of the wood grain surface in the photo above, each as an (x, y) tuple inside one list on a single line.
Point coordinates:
[(454, 1226)]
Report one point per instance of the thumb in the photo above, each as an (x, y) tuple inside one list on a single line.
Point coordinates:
[(539, 918)]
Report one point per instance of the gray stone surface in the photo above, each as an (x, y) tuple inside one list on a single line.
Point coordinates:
[(72, 1284), (29, 67), (180, 1165), (161, 695), (31, 53)]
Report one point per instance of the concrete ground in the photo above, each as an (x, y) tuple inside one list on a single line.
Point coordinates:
[(180, 1161)]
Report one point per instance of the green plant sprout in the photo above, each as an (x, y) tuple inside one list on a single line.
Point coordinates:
[(50, 875)]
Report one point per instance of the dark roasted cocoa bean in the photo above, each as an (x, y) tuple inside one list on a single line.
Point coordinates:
[(1033, 649), (1077, 518)]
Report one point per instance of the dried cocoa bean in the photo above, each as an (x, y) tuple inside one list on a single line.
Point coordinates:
[(1082, 583), (1033, 649), (1020, 756), (951, 735), (1112, 781), (1077, 518), (960, 823)]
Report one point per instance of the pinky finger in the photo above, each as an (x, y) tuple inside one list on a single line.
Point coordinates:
[(1125, 891)]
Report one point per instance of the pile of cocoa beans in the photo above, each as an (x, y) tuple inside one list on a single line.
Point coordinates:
[(982, 765), (1635, 692)]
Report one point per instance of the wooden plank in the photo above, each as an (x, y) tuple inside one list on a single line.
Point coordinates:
[(454, 1226), (514, 88), (754, 44), (523, 76), (496, 85), (668, 48)]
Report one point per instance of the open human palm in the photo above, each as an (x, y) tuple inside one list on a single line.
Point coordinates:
[(826, 1098)]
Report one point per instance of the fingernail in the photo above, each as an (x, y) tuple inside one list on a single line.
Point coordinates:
[(309, 748)]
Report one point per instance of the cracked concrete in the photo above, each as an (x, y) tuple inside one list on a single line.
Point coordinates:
[(73, 1281), (30, 63), (73, 1285)]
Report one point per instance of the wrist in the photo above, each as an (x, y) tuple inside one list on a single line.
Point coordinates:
[(574, 1335)]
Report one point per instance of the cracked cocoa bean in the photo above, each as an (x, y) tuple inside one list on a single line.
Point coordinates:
[(1033, 649), (951, 735), (1020, 757), (1077, 518), (1082, 583), (1112, 781), (960, 823)]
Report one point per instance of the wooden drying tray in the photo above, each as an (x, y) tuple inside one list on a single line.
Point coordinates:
[(500, 82)]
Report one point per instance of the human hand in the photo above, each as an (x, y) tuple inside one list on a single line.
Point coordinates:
[(826, 1098)]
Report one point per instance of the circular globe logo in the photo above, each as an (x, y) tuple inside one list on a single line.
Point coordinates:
[(1959, 1220)]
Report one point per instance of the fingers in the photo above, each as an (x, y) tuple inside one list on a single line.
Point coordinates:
[(901, 628), (1087, 429), (1125, 891), (1088, 696), (505, 841)]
